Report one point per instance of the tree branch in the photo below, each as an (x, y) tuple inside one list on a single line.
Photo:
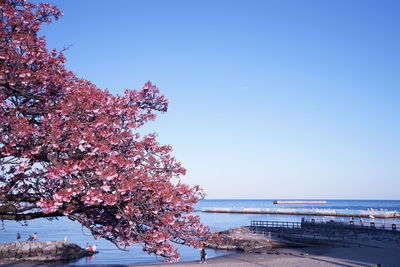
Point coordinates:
[(28, 216)]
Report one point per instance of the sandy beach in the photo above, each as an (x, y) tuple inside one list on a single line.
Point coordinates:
[(331, 257), (387, 255)]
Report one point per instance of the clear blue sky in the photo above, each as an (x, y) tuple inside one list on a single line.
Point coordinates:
[(268, 99)]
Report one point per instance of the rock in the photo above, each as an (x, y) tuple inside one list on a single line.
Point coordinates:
[(42, 251), (242, 239)]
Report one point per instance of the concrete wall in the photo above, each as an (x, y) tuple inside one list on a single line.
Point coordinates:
[(41, 251)]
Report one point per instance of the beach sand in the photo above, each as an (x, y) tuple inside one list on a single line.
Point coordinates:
[(388, 256)]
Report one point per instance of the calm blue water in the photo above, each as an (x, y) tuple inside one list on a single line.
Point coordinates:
[(108, 254)]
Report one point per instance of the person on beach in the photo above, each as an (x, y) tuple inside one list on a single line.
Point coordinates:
[(35, 237), (18, 236), (30, 238), (91, 248), (203, 255)]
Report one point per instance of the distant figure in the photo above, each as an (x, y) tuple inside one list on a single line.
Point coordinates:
[(203, 256), (18, 236), (30, 238), (35, 237), (91, 248), (371, 218), (65, 239), (383, 226)]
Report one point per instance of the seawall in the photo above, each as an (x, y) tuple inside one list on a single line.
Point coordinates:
[(299, 202), (308, 212)]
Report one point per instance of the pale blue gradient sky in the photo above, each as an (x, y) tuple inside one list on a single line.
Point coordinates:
[(268, 99)]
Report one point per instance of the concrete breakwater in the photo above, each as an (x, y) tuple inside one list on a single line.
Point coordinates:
[(42, 251), (299, 202), (309, 212)]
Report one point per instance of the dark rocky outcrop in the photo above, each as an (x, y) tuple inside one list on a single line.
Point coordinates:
[(42, 251), (242, 239)]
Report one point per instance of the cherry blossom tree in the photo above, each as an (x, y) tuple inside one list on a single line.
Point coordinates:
[(68, 148)]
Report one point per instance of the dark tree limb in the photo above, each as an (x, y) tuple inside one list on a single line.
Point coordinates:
[(7, 208), (28, 216)]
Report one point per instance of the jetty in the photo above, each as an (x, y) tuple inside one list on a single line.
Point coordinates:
[(299, 202), (332, 233), (309, 212), (269, 235)]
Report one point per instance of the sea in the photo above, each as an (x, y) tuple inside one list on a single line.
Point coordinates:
[(58, 229)]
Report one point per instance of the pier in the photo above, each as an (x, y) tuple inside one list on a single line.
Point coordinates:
[(343, 234), (309, 212)]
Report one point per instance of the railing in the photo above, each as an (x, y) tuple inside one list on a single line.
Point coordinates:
[(275, 224), (353, 225), (264, 225)]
